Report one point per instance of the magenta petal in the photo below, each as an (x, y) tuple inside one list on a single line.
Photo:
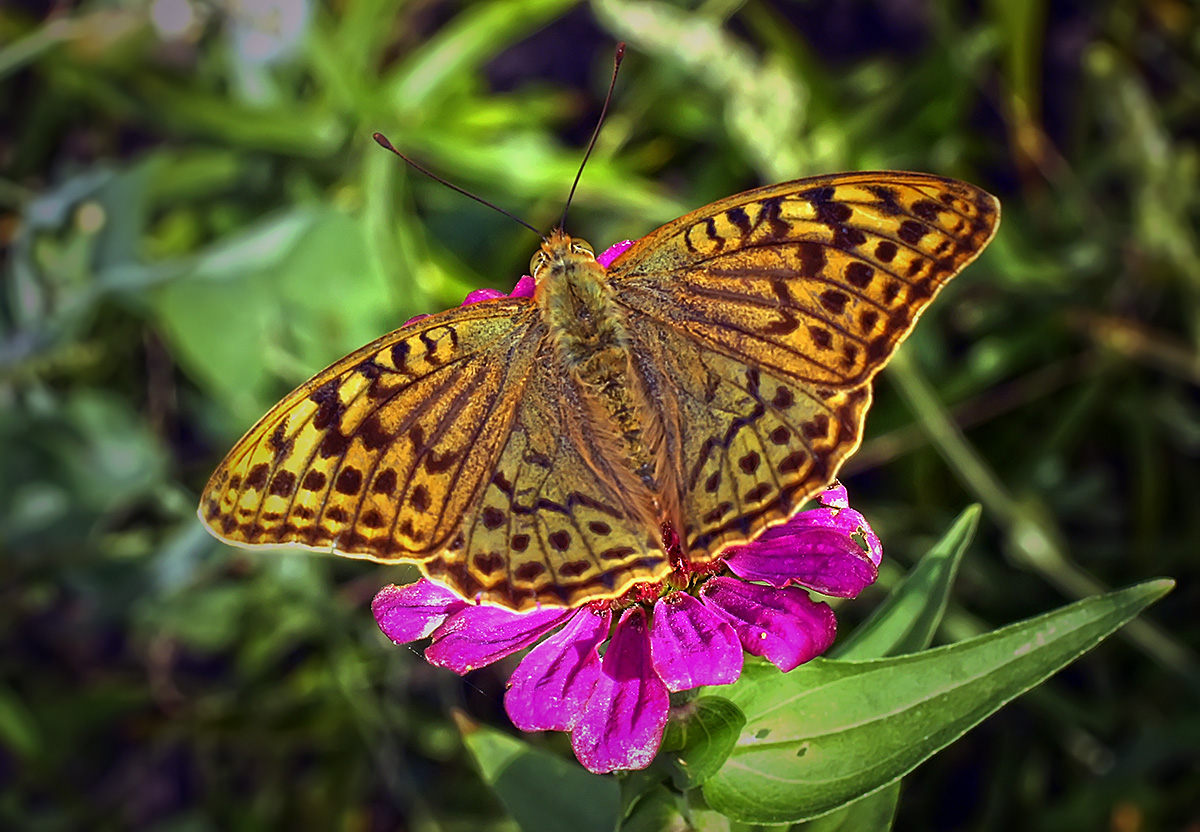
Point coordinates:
[(524, 288), (691, 645), (414, 319), (613, 252), (784, 625), (551, 685), (407, 613), (844, 520), (822, 559), (622, 724), (841, 519), (864, 532), (834, 496), (835, 512), (476, 636), (482, 294), (815, 537)]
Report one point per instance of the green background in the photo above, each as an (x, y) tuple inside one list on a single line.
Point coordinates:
[(194, 219)]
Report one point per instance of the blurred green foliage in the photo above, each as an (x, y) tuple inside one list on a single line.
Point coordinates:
[(194, 220)]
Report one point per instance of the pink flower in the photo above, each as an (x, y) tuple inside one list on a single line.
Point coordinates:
[(689, 631)]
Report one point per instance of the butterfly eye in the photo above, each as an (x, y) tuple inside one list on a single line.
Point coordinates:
[(536, 262), (583, 247)]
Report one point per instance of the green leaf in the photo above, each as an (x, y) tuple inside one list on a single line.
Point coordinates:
[(18, 731), (426, 77), (542, 792), (706, 820), (277, 302), (907, 620), (765, 101), (658, 809), (705, 739), (830, 732), (281, 128), (904, 623), (872, 813)]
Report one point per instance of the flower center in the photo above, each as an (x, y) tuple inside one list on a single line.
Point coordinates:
[(685, 577)]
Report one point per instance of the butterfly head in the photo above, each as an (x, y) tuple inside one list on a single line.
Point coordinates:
[(557, 250)]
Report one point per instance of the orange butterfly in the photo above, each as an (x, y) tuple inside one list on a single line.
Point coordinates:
[(529, 451)]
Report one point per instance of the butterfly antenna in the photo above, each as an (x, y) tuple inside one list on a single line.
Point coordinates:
[(595, 133), (383, 142)]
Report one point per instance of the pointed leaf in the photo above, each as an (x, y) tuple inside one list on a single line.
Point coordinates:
[(831, 732), (873, 813), (907, 620), (541, 791), (704, 739), (658, 809)]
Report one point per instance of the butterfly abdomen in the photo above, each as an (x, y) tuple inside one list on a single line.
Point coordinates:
[(590, 335)]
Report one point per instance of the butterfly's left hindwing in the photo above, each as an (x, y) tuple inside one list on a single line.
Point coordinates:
[(742, 447), (561, 519)]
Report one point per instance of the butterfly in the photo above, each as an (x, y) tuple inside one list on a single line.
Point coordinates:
[(534, 451)]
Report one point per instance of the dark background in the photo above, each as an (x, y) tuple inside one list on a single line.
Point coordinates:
[(194, 219)]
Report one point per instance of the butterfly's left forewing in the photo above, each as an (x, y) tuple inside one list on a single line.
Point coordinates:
[(381, 454), (763, 317)]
